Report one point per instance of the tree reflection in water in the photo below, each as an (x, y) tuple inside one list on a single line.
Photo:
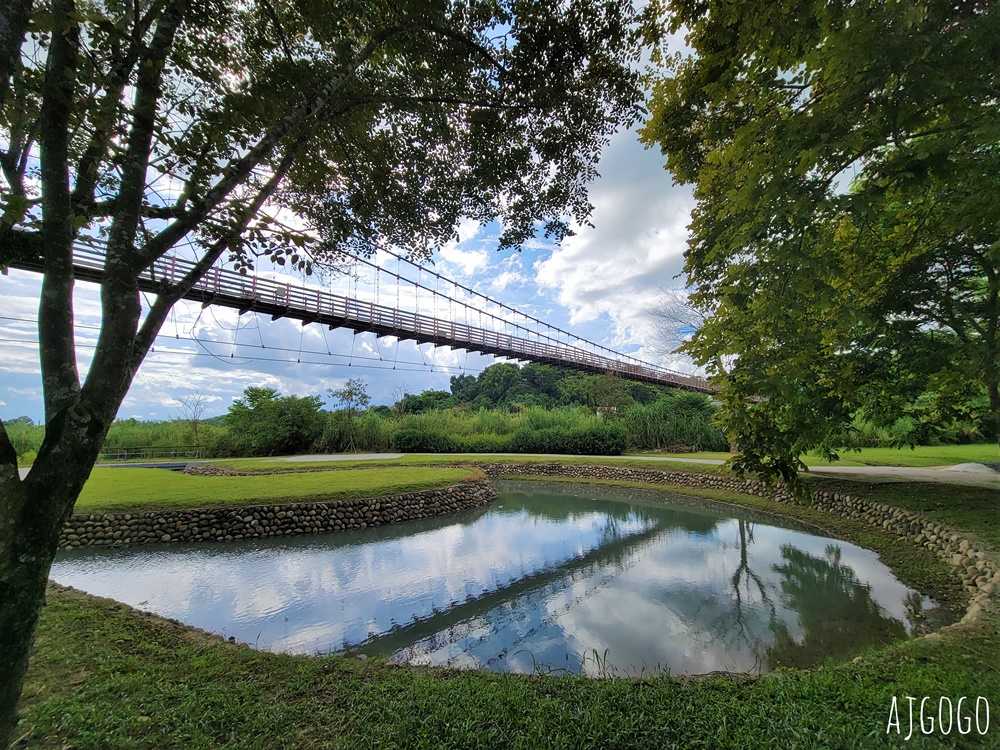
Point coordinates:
[(743, 622), (832, 606)]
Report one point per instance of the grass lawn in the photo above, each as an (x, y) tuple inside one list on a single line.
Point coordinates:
[(922, 455), (106, 676), (117, 490), (454, 459)]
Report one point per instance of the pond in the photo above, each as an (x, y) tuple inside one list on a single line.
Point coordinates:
[(551, 577)]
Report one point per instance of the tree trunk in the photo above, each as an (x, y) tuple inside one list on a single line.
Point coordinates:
[(27, 547), (32, 514), (994, 392)]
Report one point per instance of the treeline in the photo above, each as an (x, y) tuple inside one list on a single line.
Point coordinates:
[(508, 387), (265, 423), (505, 409), (531, 409)]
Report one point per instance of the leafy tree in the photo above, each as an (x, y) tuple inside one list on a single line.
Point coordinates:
[(544, 381), (352, 397), (844, 245), (497, 383), (609, 393), (413, 403), (180, 126), (464, 387), (573, 390), (642, 393), (264, 423)]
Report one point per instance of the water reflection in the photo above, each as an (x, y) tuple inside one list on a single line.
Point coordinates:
[(828, 598), (551, 577)]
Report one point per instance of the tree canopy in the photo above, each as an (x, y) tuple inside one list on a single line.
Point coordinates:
[(845, 246), (281, 128)]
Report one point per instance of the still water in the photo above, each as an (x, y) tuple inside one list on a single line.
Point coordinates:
[(552, 577)]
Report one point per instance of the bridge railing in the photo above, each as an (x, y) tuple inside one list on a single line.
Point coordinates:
[(247, 292), (151, 453)]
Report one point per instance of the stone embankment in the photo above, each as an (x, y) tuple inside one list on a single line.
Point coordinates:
[(228, 523), (979, 572)]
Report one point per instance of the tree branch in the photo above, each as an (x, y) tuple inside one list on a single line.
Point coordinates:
[(57, 352), (164, 301), (14, 17), (472, 44), (237, 171), (269, 10), (132, 187), (147, 211), (108, 109)]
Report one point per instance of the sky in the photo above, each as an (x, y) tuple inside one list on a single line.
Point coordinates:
[(601, 284)]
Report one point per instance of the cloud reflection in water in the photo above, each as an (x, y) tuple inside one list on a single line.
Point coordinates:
[(551, 577)]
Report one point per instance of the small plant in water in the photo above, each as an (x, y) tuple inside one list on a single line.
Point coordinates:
[(600, 662)]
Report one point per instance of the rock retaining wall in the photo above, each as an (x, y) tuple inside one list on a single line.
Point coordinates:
[(225, 524), (978, 570)]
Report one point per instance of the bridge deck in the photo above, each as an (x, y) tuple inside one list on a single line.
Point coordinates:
[(247, 293)]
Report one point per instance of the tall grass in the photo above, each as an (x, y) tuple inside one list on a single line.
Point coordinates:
[(26, 439), (124, 433), (683, 422), (131, 433), (466, 423), (371, 432)]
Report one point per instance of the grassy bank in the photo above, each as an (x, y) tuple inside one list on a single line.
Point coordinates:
[(106, 676), (921, 455), (117, 490), (455, 459)]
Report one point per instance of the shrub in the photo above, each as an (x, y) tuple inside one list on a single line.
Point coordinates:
[(264, 423), (609, 440), (483, 443), (602, 440), (417, 441), (526, 440), (221, 445)]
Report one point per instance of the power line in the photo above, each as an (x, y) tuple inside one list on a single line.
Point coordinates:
[(394, 365)]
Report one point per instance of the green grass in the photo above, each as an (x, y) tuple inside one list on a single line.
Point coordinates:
[(973, 509), (922, 455), (105, 676), (116, 490), (455, 459)]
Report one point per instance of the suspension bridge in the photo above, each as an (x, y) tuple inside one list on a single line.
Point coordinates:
[(452, 321)]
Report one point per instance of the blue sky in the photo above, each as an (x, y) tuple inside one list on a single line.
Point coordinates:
[(600, 284)]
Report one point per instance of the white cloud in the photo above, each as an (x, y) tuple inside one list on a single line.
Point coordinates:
[(615, 271)]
